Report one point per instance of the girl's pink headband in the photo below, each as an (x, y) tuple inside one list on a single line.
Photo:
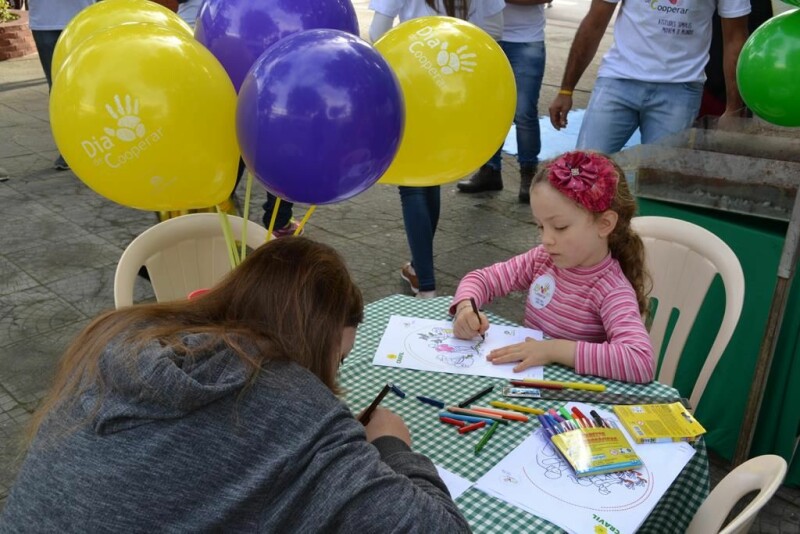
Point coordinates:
[(588, 178)]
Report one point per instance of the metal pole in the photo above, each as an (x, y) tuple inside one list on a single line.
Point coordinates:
[(772, 332)]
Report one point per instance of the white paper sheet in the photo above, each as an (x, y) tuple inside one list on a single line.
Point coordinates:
[(429, 345), (456, 485), (536, 478)]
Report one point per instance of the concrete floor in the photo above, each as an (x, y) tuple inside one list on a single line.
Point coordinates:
[(60, 242)]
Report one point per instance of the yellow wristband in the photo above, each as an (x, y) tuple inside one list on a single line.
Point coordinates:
[(565, 92)]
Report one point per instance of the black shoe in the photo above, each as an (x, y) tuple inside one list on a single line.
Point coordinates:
[(486, 179), (526, 173), (60, 164)]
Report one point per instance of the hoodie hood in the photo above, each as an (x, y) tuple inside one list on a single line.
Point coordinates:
[(158, 384)]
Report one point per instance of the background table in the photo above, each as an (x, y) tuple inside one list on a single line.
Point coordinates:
[(362, 381)]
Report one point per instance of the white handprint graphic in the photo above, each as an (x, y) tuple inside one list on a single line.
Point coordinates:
[(450, 62), (129, 125)]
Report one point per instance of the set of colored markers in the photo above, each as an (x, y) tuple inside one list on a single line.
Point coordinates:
[(559, 421)]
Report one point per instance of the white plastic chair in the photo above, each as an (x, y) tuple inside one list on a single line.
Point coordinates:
[(763, 473), (181, 254), (683, 259)]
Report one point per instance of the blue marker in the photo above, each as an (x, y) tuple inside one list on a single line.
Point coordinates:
[(433, 402), (397, 391)]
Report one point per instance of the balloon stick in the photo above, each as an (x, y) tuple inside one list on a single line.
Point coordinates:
[(305, 218), (272, 219), (246, 210), (233, 255)]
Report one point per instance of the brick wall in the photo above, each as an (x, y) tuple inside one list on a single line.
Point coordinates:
[(15, 37)]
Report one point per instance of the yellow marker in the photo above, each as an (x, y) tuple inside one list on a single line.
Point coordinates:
[(569, 385), (516, 407)]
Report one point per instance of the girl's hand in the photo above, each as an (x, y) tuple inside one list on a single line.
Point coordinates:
[(531, 353), (466, 324)]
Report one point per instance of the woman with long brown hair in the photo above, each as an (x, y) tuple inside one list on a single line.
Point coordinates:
[(221, 413)]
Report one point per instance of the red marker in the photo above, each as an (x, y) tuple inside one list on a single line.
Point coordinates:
[(470, 428), (450, 421), (583, 419)]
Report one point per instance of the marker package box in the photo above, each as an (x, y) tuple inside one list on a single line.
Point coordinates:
[(657, 423), (595, 451)]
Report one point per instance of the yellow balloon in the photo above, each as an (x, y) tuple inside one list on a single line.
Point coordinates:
[(459, 94), (146, 118), (107, 14)]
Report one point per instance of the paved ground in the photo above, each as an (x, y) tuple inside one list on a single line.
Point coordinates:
[(60, 242)]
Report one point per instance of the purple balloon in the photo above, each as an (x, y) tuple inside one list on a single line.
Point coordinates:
[(319, 117), (237, 32)]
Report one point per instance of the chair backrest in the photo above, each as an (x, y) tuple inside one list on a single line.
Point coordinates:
[(181, 254), (762, 473), (683, 259)]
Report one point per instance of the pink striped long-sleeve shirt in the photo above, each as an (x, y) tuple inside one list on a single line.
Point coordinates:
[(595, 306)]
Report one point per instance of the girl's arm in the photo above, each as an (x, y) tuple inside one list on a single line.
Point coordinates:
[(628, 353), (496, 280)]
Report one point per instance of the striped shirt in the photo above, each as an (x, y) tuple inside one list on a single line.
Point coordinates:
[(595, 306)]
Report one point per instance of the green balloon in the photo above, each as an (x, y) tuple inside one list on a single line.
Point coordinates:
[(768, 72), (792, 2)]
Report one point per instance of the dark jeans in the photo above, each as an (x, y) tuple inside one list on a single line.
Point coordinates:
[(45, 44), (284, 209), (421, 206)]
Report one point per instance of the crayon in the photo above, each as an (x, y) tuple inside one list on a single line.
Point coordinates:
[(478, 315), (470, 428), (516, 407), (467, 418), (476, 396), (466, 411), (364, 418), (397, 391), (569, 385), (429, 400), (502, 413), (486, 436), (451, 421)]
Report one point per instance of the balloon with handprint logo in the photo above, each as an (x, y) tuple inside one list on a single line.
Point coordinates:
[(146, 118), (460, 98)]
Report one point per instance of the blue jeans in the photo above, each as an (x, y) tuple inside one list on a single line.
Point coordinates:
[(617, 107), (527, 62), (421, 206), (45, 45)]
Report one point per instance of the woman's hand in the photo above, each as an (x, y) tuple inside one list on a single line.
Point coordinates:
[(531, 353), (466, 324), (383, 422)]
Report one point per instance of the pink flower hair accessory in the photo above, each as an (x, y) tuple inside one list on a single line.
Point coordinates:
[(587, 178)]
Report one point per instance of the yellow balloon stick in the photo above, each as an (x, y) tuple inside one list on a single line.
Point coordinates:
[(305, 219)]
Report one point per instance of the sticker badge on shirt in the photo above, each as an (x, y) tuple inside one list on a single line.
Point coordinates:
[(542, 291)]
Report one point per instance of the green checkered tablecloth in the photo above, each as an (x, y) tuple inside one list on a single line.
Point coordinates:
[(362, 381)]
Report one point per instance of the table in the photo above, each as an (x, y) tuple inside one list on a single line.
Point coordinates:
[(361, 381)]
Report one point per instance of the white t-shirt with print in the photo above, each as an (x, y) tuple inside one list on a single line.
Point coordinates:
[(665, 41), (523, 24), (411, 9)]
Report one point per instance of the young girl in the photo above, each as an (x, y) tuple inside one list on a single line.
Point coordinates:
[(421, 205), (585, 282), (220, 413)]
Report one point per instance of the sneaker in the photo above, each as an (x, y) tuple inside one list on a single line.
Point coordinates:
[(60, 164), (426, 294), (408, 274), (288, 230)]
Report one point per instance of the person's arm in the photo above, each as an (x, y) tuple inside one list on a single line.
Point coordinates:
[(362, 483), (734, 35), (584, 47), (380, 24), (628, 353), (500, 279)]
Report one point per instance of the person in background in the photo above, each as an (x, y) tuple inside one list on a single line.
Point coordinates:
[(421, 205), (586, 283), (523, 44), (220, 413), (652, 77), (48, 18)]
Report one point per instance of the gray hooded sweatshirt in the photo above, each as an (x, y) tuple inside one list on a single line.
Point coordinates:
[(177, 445)]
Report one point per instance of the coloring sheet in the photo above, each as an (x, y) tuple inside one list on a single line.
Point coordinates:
[(429, 345), (456, 485), (537, 479)]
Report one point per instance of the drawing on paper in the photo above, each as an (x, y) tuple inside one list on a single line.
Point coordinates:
[(448, 350), (429, 345), (612, 491)]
